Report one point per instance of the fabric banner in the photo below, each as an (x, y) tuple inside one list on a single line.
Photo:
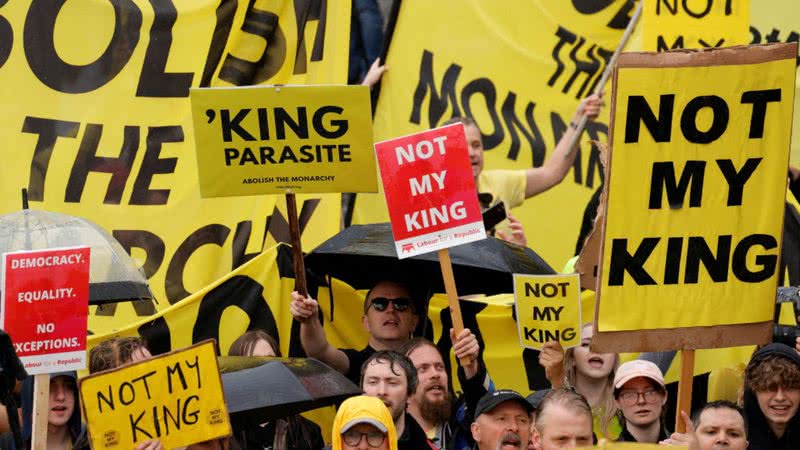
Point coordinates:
[(97, 124), (520, 68)]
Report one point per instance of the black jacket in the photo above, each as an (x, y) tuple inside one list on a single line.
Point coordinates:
[(413, 437), (759, 433)]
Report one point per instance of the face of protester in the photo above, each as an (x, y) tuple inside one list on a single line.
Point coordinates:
[(432, 387), (388, 385), (389, 324), (563, 428), (646, 409), (721, 429), (505, 427), (262, 348), (62, 401), (475, 146), (779, 405), (364, 432), (590, 364)]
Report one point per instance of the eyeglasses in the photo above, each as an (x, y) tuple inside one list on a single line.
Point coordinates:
[(353, 437), (630, 398), (399, 304)]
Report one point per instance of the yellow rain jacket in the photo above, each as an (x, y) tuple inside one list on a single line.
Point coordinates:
[(363, 407)]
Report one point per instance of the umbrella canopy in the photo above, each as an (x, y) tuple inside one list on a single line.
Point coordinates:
[(114, 275), (362, 255), (258, 389)]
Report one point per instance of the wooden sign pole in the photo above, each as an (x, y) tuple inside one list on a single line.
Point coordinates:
[(452, 294), (41, 409), (297, 249), (606, 74), (685, 389)]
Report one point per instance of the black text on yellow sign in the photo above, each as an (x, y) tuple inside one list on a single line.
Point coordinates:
[(548, 308), (671, 24), (274, 139), (176, 398), (703, 230)]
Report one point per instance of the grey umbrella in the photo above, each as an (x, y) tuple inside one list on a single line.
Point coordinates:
[(114, 275)]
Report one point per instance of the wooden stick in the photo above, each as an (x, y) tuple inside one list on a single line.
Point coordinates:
[(41, 409), (685, 389), (452, 294), (297, 249), (606, 74)]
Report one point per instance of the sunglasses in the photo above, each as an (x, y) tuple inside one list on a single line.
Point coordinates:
[(399, 304), (353, 438)]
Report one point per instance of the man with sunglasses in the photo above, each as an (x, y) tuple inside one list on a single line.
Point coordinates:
[(640, 394), (390, 317)]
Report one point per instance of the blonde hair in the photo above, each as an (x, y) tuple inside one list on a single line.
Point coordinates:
[(606, 408)]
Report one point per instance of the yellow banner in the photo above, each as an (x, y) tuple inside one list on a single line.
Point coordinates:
[(670, 24), (270, 140), (176, 398), (548, 308), (779, 21), (97, 123), (695, 242)]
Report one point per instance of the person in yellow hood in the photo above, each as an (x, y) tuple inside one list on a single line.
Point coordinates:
[(363, 423)]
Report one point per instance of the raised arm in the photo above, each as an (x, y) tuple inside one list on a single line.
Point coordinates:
[(312, 335), (540, 179)]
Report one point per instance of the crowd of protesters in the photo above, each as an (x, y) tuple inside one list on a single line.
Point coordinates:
[(408, 401)]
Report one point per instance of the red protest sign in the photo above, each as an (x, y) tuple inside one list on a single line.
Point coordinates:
[(430, 191), (45, 305)]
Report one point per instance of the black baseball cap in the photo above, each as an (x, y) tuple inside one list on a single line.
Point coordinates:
[(489, 401)]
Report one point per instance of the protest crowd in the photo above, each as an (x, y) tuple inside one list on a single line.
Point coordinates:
[(410, 389)]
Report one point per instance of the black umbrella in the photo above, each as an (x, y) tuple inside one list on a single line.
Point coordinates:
[(362, 255), (259, 389)]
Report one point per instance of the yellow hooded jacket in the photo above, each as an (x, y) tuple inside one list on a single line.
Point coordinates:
[(363, 407)]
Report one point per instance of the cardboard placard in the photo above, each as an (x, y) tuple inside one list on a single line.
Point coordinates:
[(176, 397), (45, 307), (273, 139), (548, 308), (695, 201), (671, 24), (430, 191)]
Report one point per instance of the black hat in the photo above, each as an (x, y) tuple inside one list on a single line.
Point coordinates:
[(489, 401)]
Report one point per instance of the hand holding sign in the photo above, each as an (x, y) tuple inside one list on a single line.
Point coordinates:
[(466, 349), (552, 359)]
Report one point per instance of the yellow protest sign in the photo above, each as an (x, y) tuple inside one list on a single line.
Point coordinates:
[(274, 139), (176, 398), (670, 24), (548, 308), (692, 235)]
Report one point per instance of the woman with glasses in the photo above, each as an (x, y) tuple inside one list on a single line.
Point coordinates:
[(640, 395), (363, 423)]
